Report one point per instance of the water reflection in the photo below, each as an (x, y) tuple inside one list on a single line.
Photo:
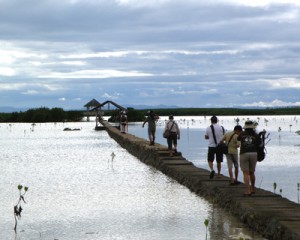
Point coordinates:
[(80, 190), (224, 226)]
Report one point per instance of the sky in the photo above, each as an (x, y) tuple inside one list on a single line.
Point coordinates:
[(191, 53)]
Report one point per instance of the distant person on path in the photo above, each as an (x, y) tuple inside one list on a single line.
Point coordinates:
[(230, 139), (213, 134), (248, 155), (172, 126), (151, 120), (123, 121)]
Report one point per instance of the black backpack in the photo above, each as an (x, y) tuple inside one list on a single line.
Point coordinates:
[(261, 148)]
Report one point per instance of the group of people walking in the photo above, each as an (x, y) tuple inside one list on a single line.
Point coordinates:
[(244, 138), (171, 127)]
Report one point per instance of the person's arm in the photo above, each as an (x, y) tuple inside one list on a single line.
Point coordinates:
[(145, 122), (166, 125), (236, 141), (206, 135), (178, 131)]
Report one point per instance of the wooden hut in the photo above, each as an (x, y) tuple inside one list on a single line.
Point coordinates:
[(91, 105)]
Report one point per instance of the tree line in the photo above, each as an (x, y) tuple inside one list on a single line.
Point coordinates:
[(59, 115), (43, 114)]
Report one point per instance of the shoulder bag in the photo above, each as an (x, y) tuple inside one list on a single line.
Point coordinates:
[(167, 132)]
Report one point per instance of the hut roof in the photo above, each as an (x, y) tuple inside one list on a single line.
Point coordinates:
[(92, 103)]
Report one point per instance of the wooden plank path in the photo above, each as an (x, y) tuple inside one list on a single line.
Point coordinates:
[(267, 213)]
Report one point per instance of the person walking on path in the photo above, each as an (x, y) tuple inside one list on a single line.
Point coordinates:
[(173, 128), (213, 134), (248, 155), (230, 139), (123, 122), (151, 120)]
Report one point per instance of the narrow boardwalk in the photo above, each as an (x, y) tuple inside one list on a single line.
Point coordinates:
[(269, 214)]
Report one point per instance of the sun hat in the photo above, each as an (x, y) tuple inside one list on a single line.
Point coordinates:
[(249, 124)]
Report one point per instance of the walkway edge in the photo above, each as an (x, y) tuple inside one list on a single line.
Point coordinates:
[(267, 213)]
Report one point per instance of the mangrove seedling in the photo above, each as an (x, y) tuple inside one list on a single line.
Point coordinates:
[(298, 185), (206, 225), (274, 186), (18, 208)]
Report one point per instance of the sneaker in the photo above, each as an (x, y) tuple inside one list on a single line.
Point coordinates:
[(211, 175)]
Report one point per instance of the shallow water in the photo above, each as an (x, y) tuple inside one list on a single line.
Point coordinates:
[(78, 191)]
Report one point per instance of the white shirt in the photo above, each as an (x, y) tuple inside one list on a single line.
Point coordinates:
[(218, 132)]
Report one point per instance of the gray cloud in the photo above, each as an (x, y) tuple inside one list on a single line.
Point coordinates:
[(190, 54)]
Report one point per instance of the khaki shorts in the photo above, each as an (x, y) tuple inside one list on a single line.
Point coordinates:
[(232, 160), (248, 161)]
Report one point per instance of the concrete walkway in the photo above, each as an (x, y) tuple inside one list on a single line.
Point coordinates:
[(267, 213)]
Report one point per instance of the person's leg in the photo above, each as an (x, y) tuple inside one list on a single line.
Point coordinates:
[(246, 182), (169, 141), (211, 165), (219, 167), (252, 166), (229, 165), (235, 163), (252, 180), (149, 135), (244, 163), (219, 158), (175, 142), (210, 160), (172, 144), (236, 174)]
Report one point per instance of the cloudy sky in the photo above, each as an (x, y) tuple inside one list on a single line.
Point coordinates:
[(188, 53)]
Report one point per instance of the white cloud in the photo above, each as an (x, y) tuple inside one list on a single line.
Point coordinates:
[(30, 92), (11, 86), (169, 49), (113, 96), (108, 73), (7, 71), (74, 63), (246, 93), (62, 99), (252, 3), (262, 3), (284, 83), (274, 103), (95, 55)]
